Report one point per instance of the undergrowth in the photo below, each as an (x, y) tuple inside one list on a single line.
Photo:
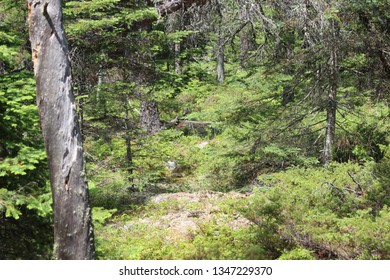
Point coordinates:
[(337, 212)]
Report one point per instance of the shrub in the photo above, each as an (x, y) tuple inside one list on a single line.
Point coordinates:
[(329, 211)]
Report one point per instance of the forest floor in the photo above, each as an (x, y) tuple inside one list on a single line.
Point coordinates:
[(190, 210), (182, 225)]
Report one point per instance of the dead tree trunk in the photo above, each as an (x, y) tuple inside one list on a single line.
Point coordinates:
[(150, 117), (330, 126), (129, 153), (73, 231), (245, 37), (220, 46), (331, 108), (100, 98), (177, 59), (221, 59)]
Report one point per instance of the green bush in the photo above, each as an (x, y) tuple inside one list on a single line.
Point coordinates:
[(334, 212), (297, 254)]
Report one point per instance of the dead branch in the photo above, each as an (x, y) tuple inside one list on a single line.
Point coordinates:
[(170, 6)]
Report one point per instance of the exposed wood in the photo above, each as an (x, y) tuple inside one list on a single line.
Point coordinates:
[(73, 231)]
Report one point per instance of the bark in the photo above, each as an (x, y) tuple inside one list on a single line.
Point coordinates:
[(245, 37), (244, 50), (287, 95), (73, 231), (150, 117), (220, 46), (177, 59), (332, 96), (221, 59), (129, 153), (100, 99), (330, 126)]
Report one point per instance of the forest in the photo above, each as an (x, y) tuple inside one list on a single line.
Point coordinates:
[(195, 129)]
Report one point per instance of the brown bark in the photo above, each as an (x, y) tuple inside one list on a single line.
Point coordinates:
[(73, 231)]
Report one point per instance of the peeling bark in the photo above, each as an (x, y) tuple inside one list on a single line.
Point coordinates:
[(73, 231)]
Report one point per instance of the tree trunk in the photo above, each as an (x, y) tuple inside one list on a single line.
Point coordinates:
[(150, 117), (245, 37), (332, 95), (177, 59), (220, 46), (129, 153), (221, 59), (73, 231), (100, 98), (330, 126)]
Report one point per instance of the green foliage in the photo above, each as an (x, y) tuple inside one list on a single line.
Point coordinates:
[(27, 159), (7, 203), (112, 191), (139, 235), (11, 203), (178, 36), (100, 215), (331, 212), (262, 129), (297, 254), (22, 156), (25, 199), (22, 176)]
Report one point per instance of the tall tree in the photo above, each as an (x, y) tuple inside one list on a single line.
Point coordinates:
[(73, 231), (331, 108), (220, 47)]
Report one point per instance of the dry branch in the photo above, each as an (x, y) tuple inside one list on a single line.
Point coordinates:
[(170, 6)]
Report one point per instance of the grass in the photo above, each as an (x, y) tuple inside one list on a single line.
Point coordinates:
[(194, 226)]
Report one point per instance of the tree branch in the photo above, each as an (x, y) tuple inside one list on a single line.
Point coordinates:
[(168, 7)]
